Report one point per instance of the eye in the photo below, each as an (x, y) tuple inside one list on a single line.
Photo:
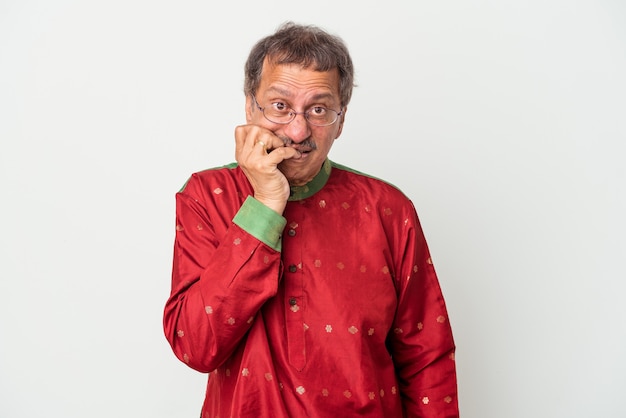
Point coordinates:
[(317, 111), (280, 107)]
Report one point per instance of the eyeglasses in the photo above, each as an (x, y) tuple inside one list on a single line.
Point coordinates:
[(279, 112)]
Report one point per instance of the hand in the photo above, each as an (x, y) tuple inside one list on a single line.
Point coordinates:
[(258, 152)]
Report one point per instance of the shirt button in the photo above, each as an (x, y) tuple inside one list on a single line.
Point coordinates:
[(293, 301), (293, 268), (292, 232)]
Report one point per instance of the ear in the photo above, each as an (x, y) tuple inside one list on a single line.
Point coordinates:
[(249, 104), (343, 118)]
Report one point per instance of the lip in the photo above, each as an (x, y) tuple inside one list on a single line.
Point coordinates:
[(304, 155), (301, 148), (304, 151)]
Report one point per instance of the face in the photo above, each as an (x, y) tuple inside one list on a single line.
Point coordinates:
[(300, 89)]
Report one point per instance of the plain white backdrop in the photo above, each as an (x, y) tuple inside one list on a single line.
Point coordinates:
[(504, 121)]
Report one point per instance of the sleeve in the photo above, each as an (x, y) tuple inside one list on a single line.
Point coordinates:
[(223, 272), (421, 343)]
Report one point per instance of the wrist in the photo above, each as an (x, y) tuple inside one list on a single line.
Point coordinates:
[(277, 205)]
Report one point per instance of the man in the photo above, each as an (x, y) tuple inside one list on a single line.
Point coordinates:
[(304, 288)]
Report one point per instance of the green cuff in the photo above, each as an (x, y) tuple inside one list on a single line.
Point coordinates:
[(261, 222)]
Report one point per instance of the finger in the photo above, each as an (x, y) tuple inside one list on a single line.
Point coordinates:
[(247, 136), (283, 153), (261, 144), (273, 142)]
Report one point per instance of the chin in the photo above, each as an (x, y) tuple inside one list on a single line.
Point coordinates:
[(296, 175)]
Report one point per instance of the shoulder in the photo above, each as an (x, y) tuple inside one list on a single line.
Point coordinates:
[(225, 181), (208, 176), (394, 208), (366, 182)]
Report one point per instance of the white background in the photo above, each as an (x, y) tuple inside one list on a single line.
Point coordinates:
[(503, 121)]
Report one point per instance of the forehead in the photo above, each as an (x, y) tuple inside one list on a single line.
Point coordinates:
[(295, 80)]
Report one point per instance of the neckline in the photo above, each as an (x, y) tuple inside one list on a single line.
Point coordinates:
[(313, 186)]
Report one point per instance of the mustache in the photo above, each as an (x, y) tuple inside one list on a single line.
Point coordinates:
[(307, 143)]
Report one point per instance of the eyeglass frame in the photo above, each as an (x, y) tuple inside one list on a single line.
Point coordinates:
[(294, 114)]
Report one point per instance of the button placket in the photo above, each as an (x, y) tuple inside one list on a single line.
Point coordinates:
[(294, 280)]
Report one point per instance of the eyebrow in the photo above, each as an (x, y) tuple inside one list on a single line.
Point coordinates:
[(286, 93), (278, 90)]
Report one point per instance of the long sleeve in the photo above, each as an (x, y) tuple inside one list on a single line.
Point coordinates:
[(421, 341), (354, 324), (225, 268)]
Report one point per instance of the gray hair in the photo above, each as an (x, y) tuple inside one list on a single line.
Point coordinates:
[(307, 45)]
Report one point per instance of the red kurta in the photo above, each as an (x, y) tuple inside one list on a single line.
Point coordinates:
[(333, 310)]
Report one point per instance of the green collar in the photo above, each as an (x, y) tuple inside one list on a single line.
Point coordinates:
[(312, 187)]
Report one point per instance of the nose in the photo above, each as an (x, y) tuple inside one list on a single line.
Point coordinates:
[(298, 129)]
